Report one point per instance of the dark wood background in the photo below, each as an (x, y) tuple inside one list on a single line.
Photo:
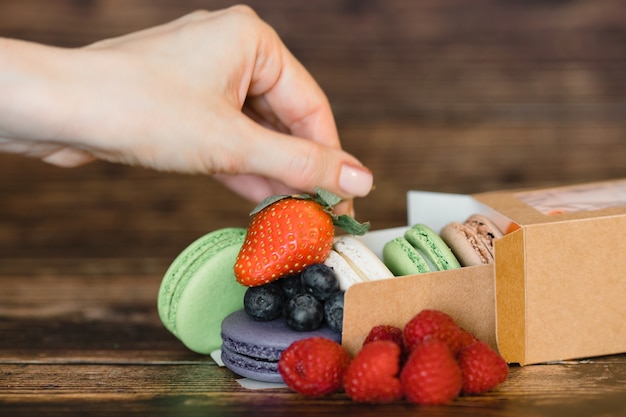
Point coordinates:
[(454, 96)]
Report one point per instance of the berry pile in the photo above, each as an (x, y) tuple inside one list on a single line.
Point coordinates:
[(431, 361), (304, 300)]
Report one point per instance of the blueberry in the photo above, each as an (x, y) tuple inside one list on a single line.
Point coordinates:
[(320, 281), (303, 313), (333, 311), (264, 302), (291, 285)]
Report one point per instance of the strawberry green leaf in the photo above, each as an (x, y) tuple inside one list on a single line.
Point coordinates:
[(268, 202), (326, 198), (351, 225)]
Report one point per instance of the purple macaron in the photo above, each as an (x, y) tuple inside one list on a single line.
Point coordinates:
[(252, 348)]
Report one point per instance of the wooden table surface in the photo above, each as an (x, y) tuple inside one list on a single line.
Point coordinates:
[(447, 96)]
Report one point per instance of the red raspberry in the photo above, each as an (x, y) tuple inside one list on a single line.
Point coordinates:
[(373, 374), (432, 324), (431, 375), (467, 338), (386, 332), (314, 366), (483, 368)]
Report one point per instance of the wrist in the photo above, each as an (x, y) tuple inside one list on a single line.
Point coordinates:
[(32, 81)]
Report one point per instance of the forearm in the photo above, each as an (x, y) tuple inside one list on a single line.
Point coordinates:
[(31, 84)]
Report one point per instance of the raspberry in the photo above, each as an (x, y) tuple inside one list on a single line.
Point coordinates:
[(314, 366), (466, 338), (372, 376), (431, 375), (432, 324), (385, 332), (483, 368)]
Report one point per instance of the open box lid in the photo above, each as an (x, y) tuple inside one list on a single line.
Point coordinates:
[(549, 205)]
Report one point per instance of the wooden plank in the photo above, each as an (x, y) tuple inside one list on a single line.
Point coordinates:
[(532, 391)]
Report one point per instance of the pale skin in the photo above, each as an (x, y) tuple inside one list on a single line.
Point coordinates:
[(214, 93)]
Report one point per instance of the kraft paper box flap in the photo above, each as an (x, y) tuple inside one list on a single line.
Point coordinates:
[(467, 294), (560, 290)]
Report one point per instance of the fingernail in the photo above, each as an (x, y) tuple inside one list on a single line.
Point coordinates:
[(355, 181)]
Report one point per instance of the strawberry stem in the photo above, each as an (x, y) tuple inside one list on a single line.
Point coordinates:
[(328, 201)]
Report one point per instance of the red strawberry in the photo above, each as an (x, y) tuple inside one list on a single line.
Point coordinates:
[(385, 332), (432, 324), (431, 375), (289, 233), (483, 368), (314, 366), (372, 376)]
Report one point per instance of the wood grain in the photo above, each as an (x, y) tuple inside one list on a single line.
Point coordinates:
[(448, 96), (441, 96), (93, 344)]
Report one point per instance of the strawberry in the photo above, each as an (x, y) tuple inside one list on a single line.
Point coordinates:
[(433, 324), (431, 375), (314, 366), (372, 376), (289, 233), (483, 368)]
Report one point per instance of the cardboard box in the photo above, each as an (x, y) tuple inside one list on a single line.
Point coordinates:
[(555, 292)]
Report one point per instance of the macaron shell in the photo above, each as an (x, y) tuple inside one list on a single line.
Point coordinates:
[(472, 241), (486, 232), (210, 295), (257, 370), (466, 248), (344, 272), (186, 263), (403, 259), (425, 239), (252, 348), (483, 221), (361, 258)]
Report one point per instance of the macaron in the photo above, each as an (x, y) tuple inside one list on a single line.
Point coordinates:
[(199, 289), (420, 250), (473, 240), (252, 348), (403, 259), (354, 262)]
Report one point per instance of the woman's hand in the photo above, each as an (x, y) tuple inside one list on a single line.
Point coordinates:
[(210, 93)]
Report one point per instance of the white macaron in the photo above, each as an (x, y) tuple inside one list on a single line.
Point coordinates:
[(354, 262)]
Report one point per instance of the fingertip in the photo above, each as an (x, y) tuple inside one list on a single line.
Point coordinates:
[(355, 180)]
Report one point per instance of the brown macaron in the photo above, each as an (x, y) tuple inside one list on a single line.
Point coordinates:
[(472, 241)]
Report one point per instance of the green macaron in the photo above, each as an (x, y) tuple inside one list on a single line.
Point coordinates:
[(403, 259), (199, 289), (420, 250), (430, 244)]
